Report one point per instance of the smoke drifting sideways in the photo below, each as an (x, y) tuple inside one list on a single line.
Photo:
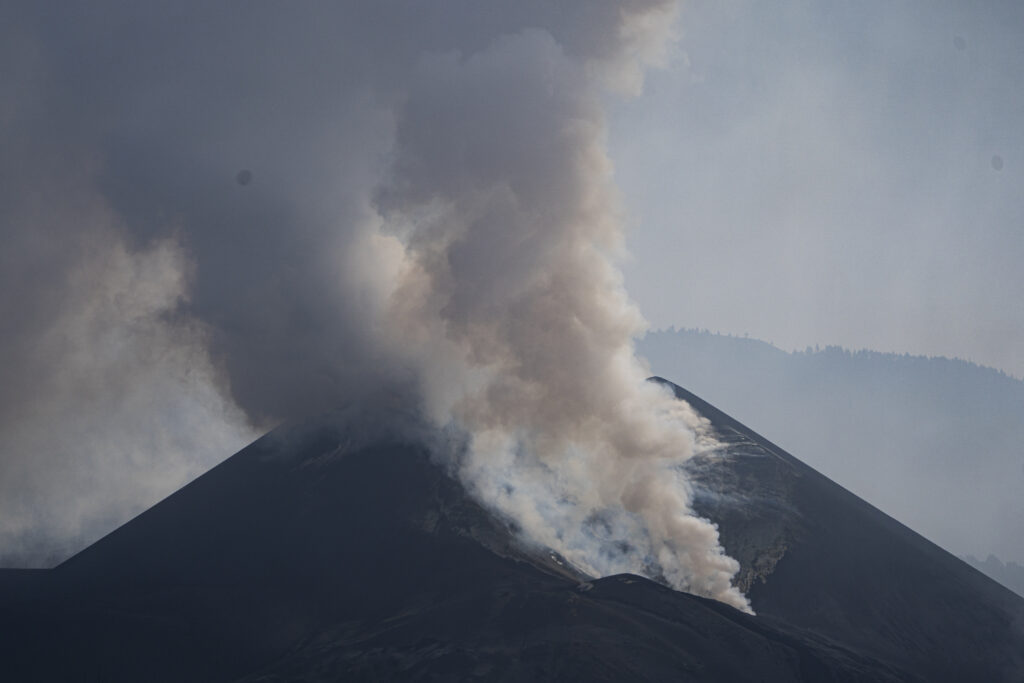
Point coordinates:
[(435, 226)]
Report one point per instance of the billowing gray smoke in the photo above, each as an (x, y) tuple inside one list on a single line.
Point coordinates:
[(517, 315), (226, 218)]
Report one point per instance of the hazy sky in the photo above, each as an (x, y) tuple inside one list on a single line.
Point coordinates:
[(212, 214), (834, 173)]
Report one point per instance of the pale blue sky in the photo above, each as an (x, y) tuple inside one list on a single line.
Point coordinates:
[(827, 173)]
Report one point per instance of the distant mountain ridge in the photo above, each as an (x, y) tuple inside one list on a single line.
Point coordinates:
[(935, 442)]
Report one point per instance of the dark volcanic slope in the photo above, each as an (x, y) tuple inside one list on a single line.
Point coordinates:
[(818, 557), (309, 557), (302, 559)]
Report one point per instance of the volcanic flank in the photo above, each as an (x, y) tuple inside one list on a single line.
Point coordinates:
[(317, 553)]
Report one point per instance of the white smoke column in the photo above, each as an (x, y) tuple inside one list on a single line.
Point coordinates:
[(511, 305)]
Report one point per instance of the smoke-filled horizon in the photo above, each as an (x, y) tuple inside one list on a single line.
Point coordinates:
[(222, 218)]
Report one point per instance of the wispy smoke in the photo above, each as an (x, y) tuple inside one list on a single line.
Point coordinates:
[(427, 217)]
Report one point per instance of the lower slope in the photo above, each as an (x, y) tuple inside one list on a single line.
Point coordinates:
[(306, 558), (819, 558)]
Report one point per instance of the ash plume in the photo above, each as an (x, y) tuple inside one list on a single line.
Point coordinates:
[(428, 218), (510, 236)]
